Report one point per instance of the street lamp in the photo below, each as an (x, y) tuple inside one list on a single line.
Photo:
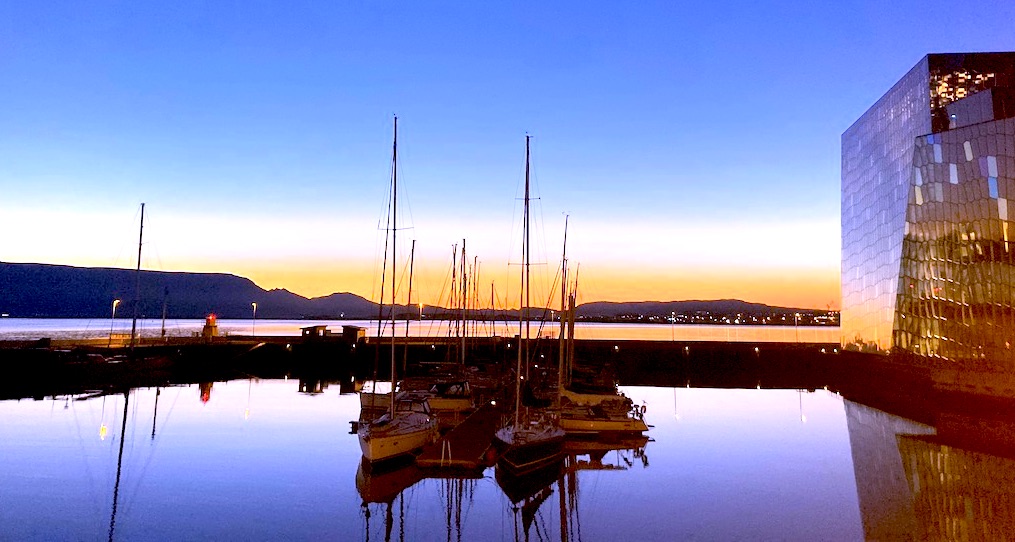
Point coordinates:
[(253, 321), (111, 318)]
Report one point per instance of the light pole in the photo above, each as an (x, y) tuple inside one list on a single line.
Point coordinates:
[(253, 321), (111, 318), (796, 325)]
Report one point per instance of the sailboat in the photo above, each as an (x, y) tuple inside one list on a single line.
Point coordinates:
[(606, 413), (407, 426), (528, 444)]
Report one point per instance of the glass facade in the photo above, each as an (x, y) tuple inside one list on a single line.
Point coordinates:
[(957, 277), (925, 183), (877, 159)]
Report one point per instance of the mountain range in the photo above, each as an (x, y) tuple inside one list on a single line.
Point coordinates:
[(32, 290)]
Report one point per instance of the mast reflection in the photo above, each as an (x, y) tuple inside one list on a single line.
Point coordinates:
[(528, 493)]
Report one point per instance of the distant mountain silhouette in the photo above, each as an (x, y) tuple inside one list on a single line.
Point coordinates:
[(59, 291), (30, 290), (609, 309)]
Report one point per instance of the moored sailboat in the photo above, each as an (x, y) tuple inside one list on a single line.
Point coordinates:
[(408, 425), (531, 441), (607, 413)]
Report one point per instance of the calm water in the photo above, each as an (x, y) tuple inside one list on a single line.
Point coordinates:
[(32, 328), (258, 460)]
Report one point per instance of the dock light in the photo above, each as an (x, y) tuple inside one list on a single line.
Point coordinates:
[(493, 403), (616, 348), (253, 321), (111, 318)]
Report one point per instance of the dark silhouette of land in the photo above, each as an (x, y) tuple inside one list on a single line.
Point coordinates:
[(31, 290)]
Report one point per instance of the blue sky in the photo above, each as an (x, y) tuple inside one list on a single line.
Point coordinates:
[(695, 146)]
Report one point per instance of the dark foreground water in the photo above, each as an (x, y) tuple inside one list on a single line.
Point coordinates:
[(258, 460)]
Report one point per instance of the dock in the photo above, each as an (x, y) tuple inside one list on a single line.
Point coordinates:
[(468, 446)]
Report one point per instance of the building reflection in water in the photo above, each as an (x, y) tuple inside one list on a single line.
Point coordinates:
[(916, 484)]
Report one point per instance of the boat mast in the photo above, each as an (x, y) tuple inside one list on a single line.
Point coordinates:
[(563, 309), (408, 304), (394, 246), (526, 250), (462, 300), (523, 313), (474, 297), (165, 304), (453, 296), (137, 283)]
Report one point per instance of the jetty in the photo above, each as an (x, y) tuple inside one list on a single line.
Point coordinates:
[(468, 446)]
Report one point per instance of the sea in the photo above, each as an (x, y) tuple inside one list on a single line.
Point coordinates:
[(274, 459), (258, 460), (92, 328)]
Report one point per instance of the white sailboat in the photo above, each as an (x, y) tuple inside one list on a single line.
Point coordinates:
[(529, 443), (407, 426)]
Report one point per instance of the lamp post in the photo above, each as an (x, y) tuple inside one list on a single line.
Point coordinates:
[(253, 321), (796, 325), (111, 318)]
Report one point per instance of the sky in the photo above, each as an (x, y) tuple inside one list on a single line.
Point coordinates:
[(693, 147)]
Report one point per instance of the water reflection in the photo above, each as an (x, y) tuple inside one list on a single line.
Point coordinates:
[(955, 481), (159, 463)]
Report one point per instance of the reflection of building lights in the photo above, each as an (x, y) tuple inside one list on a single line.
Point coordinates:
[(103, 431), (246, 413)]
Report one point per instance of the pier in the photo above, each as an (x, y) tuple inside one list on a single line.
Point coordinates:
[(467, 447)]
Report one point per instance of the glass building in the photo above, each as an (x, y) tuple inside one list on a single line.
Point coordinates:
[(927, 172)]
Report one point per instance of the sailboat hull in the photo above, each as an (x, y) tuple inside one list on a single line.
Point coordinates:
[(406, 434), (602, 426), (526, 449)]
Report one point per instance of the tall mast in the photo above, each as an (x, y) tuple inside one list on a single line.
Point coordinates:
[(394, 247), (462, 297), (408, 304), (563, 293), (523, 313), (526, 249), (453, 296), (137, 283), (474, 296)]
